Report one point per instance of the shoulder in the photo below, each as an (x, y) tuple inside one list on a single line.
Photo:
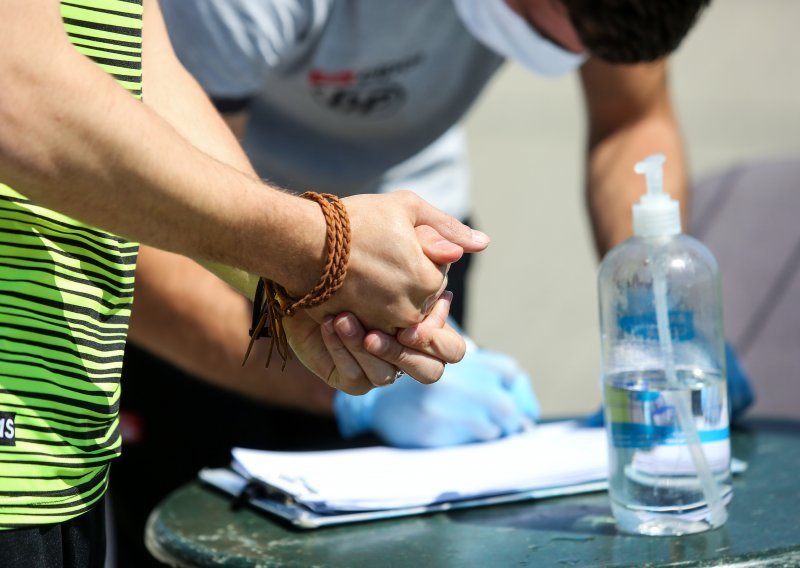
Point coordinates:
[(230, 45), (246, 23)]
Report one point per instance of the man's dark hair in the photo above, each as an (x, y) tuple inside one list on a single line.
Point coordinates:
[(633, 31)]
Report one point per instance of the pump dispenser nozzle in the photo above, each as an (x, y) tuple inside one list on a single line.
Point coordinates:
[(656, 214)]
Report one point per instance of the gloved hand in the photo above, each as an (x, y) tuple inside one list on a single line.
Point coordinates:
[(484, 396), (740, 393)]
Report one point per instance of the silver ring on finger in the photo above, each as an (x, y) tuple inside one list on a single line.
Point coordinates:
[(397, 374)]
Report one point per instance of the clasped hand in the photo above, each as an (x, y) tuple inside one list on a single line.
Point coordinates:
[(401, 249), (484, 397)]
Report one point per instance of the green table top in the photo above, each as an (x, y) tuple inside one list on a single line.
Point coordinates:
[(195, 526)]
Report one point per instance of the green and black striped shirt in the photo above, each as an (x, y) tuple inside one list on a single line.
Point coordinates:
[(65, 297)]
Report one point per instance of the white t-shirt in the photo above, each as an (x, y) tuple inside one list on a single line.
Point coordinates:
[(348, 96)]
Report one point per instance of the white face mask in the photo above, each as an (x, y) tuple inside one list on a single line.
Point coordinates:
[(502, 30)]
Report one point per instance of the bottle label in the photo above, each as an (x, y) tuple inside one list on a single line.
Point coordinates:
[(631, 435), (681, 325), (649, 418)]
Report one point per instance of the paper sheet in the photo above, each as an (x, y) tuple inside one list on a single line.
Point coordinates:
[(548, 455)]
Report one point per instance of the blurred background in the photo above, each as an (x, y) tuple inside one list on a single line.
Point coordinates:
[(736, 85)]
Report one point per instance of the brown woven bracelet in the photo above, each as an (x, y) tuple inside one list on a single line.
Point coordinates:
[(272, 302)]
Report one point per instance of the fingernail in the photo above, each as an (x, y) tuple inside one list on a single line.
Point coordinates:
[(409, 335), (327, 324), (376, 344), (480, 237), (345, 326)]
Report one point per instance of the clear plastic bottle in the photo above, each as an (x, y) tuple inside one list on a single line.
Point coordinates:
[(663, 367)]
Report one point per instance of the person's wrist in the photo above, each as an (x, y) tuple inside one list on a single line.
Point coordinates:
[(354, 413), (275, 235), (310, 259)]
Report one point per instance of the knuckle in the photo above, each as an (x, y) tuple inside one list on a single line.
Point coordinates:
[(453, 225), (426, 232), (421, 340), (394, 354), (338, 351), (405, 196), (409, 196), (350, 343), (430, 281), (410, 315), (403, 361)]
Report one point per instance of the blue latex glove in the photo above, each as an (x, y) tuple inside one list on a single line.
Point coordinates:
[(740, 393), (484, 396)]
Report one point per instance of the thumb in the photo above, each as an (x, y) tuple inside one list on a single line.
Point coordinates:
[(438, 249), (448, 227)]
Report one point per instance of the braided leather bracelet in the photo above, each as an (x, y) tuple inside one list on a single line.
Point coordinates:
[(272, 302)]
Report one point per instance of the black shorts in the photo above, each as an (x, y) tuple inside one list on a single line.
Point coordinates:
[(78, 543)]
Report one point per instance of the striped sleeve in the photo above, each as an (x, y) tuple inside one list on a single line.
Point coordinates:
[(66, 291)]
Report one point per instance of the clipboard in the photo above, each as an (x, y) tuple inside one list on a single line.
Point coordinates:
[(278, 490), (279, 503)]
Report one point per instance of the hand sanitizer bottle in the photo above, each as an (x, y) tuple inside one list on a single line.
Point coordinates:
[(663, 367)]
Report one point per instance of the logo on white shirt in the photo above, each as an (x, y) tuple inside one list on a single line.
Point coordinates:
[(369, 93)]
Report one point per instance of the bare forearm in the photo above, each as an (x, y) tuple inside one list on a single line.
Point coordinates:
[(73, 140), (612, 185), (187, 316), (89, 150), (175, 96), (630, 116)]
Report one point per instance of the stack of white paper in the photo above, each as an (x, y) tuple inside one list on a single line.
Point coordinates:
[(549, 455)]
